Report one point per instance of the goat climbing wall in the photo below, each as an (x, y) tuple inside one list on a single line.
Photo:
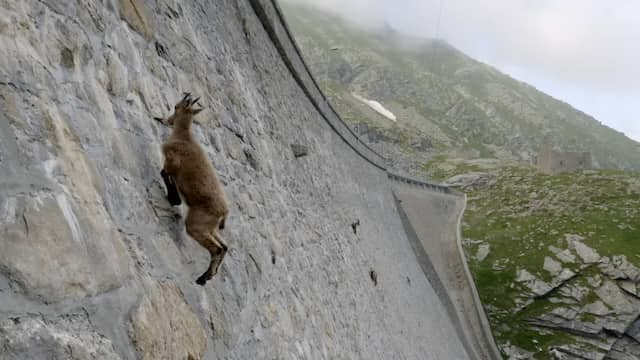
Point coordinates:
[(95, 264)]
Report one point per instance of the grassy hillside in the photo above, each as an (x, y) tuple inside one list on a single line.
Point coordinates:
[(525, 219)]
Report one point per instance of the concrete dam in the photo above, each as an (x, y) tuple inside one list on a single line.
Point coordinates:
[(95, 263)]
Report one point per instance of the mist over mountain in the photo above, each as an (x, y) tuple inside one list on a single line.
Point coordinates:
[(442, 98)]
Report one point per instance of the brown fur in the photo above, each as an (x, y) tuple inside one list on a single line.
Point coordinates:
[(196, 180)]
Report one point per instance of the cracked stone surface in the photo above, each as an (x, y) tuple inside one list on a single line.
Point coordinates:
[(552, 266), (586, 254), (90, 244), (598, 305), (165, 327), (68, 336)]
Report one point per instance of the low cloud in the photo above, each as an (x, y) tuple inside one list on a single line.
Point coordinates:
[(583, 41), (588, 42), (589, 45)]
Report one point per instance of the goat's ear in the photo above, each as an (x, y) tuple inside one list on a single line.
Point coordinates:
[(196, 111)]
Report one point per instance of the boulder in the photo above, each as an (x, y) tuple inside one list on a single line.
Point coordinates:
[(587, 254), (165, 327), (618, 267), (552, 266), (611, 294), (597, 308), (566, 256), (483, 252)]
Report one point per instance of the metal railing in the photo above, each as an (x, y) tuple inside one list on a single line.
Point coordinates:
[(426, 185)]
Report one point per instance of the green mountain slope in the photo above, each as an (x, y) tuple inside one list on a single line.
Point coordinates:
[(555, 257), (460, 105)]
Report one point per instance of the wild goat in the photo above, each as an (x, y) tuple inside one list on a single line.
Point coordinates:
[(188, 171)]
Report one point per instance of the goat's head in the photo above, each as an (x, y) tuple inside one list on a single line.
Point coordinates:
[(183, 112)]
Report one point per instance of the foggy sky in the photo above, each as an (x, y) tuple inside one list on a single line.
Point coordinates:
[(584, 52)]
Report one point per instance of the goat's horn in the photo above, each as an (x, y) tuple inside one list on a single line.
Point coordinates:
[(195, 100), (186, 96)]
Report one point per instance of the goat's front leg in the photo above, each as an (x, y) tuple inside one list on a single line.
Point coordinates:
[(168, 173), (172, 190)]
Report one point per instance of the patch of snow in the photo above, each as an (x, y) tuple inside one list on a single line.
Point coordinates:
[(377, 107)]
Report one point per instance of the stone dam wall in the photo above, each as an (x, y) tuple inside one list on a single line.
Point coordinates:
[(432, 221), (95, 264)]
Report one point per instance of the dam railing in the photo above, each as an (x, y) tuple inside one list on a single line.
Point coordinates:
[(426, 185), (272, 19)]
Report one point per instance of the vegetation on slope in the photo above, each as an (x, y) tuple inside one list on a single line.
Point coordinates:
[(523, 215)]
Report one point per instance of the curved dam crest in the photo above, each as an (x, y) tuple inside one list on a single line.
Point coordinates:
[(94, 262)]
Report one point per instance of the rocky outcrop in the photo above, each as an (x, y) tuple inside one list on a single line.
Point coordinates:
[(601, 310), (67, 336), (94, 262), (483, 252)]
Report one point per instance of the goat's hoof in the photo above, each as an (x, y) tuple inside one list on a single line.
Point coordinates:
[(201, 280)]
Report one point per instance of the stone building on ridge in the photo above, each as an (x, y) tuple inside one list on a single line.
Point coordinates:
[(553, 162)]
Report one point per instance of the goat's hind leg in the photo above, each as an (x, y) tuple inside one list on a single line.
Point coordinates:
[(208, 242), (217, 249), (216, 260), (198, 224)]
